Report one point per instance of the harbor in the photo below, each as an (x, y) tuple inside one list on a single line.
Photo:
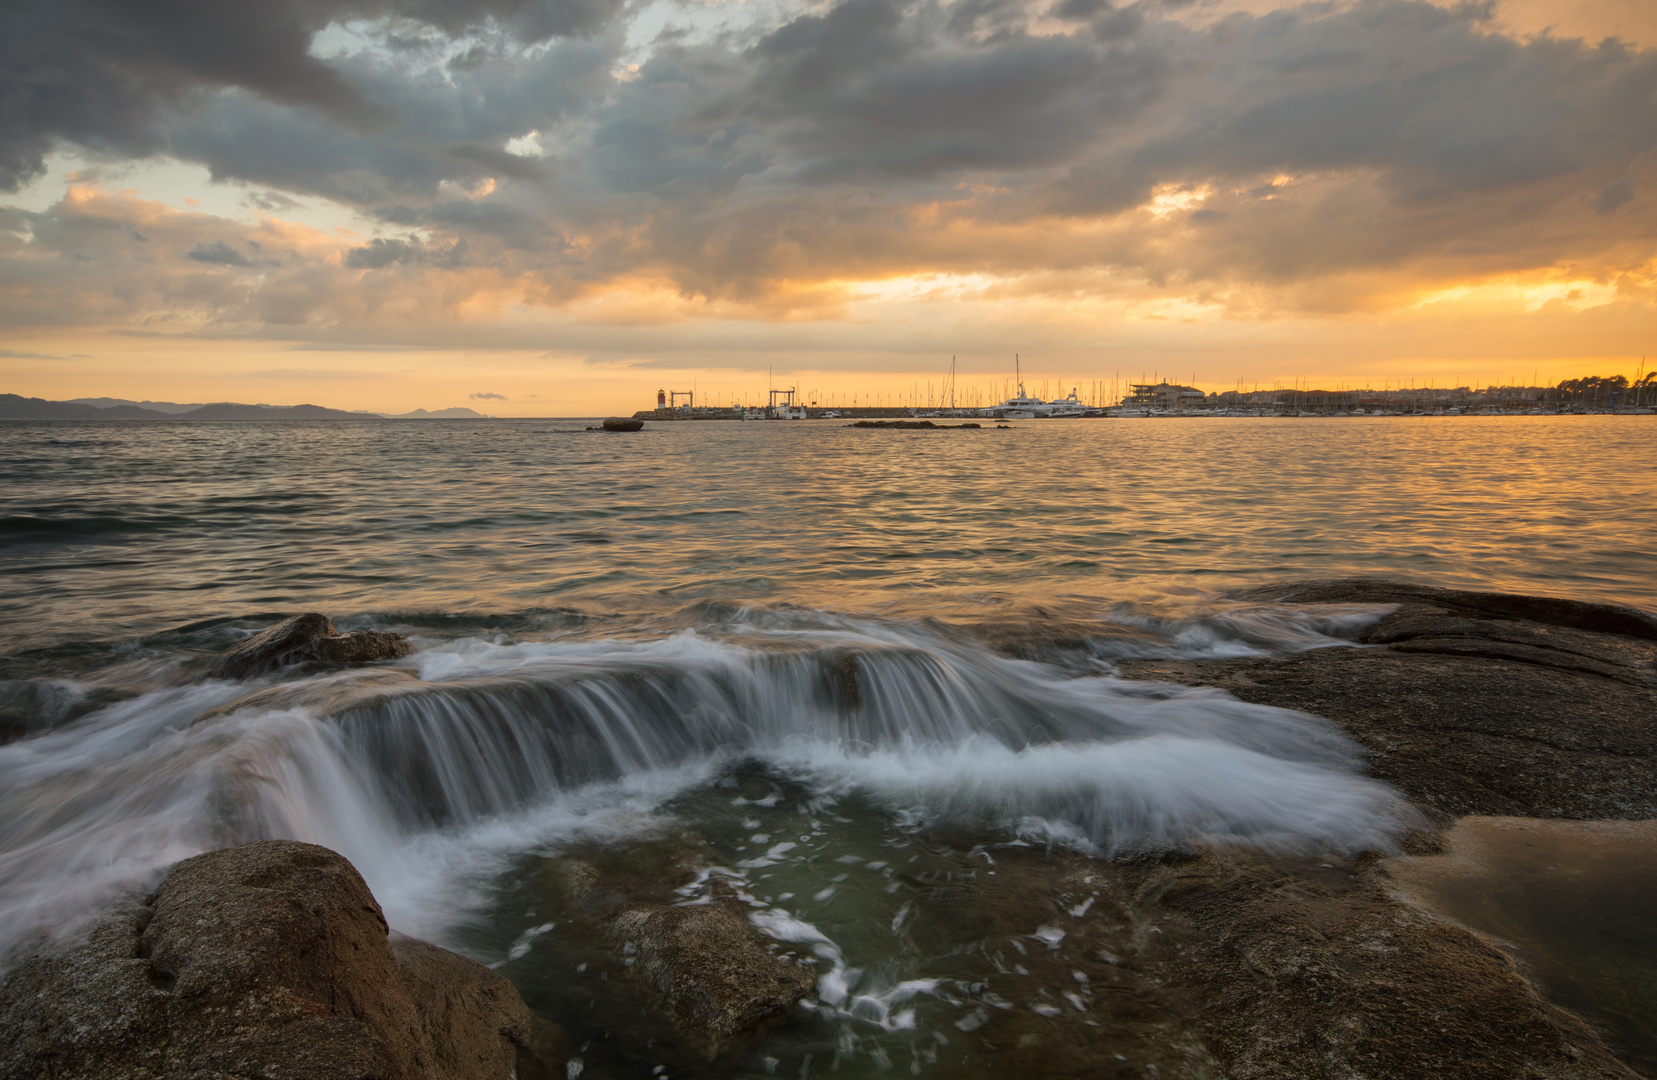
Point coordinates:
[(1572, 397)]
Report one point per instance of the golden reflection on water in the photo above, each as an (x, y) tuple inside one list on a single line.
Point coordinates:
[(144, 525)]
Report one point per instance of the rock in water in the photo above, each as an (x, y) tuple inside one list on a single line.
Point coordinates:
[(267, 960), (622, 423), (309, 637), (474, 1020), (705, 967), (357, 647), (715, 975)]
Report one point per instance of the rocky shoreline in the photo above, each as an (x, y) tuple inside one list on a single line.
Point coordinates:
[(273, 960), (1472, 703)]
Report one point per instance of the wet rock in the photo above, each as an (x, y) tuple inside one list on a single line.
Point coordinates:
[(268, 960), (362, 688), (473, 1019), (1569, 901), (1470, 703), (1474, 703), (30, 706), (1314, 970), (272, 648), (93, 1010), (708, 971), (1542, 610), (307, 638), (622, 423), (357, 647), (714, 974), (547, 1055), (1235, 965)]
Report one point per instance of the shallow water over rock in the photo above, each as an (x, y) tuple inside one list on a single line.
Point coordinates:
[(1571, 900)]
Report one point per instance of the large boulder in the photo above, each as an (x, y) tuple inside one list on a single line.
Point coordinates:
[(307, 638), (268, 960)]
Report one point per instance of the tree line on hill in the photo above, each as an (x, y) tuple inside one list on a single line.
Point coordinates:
[(1609, 390)]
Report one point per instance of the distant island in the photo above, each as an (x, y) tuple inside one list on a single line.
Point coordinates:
[(15, 407)]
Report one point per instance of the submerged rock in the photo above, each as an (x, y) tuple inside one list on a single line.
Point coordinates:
[(912, 425), (708, 971), (715, 975), (267, 960), (307, 638)]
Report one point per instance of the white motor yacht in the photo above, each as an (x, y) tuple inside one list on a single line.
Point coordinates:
[(1066, 406), (1022, 407)]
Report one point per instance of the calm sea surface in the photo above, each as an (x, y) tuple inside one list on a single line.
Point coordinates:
[(756, 649), (115, 529)]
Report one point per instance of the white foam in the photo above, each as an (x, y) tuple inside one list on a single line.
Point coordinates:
[(1153, 792), (431, 784)]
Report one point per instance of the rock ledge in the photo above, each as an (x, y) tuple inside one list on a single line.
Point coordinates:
[(310, 637)]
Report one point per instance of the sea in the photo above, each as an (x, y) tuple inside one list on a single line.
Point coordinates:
[(839, 660)]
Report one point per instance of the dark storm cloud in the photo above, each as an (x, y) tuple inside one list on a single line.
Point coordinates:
[(378, 254), (103, 73), (218, 253), (874, 138), (872, 91), (1422, 96), (452, 128), (924, 103), (880, 137)]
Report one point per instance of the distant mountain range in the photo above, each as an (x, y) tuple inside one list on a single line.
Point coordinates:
[(13, 407), (457, 412)]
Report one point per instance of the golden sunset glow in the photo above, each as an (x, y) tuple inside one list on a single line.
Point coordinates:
[(1367, 193)]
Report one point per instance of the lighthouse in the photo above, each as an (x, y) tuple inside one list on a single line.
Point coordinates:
[(661, 399)]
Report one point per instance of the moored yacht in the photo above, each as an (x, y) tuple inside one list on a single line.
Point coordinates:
[(1065, 406), (1021, 407)]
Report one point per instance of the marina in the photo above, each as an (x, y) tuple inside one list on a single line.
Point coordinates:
[(1145, 400)]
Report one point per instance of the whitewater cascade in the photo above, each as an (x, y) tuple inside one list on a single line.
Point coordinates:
[(427, 771)]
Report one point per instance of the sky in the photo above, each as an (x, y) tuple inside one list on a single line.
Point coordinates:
[(558, 207)]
